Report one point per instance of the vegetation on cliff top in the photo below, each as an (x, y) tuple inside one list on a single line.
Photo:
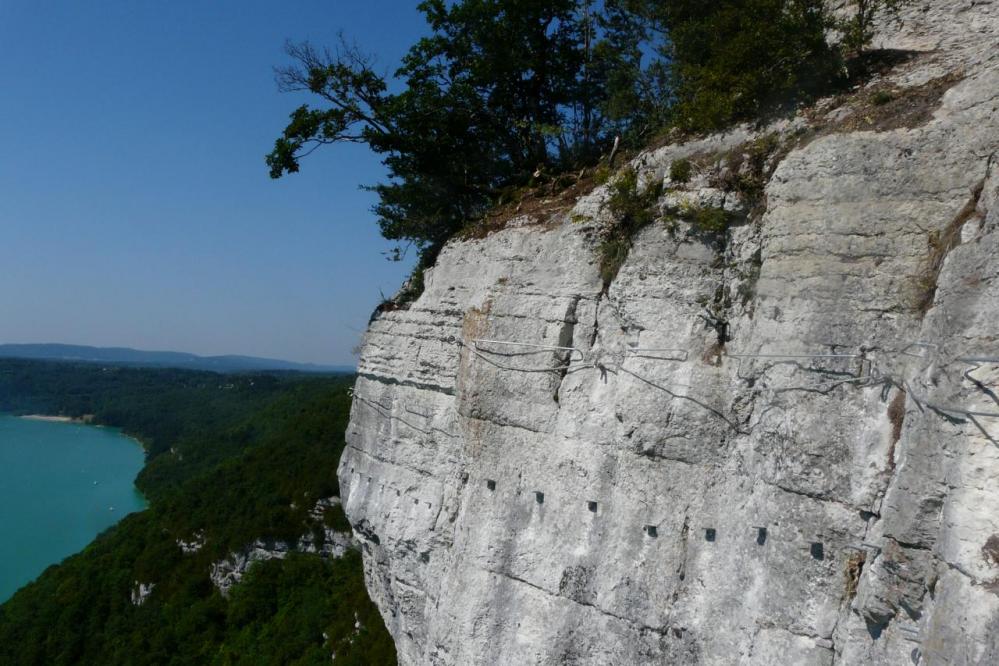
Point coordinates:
[(505, 94)]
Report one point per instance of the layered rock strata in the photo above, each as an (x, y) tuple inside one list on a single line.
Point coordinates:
[(777, 446)]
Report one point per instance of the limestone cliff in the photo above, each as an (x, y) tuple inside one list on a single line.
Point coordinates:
[(770, 446)]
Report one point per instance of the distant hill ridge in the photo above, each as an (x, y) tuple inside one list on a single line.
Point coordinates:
[(127, 356)]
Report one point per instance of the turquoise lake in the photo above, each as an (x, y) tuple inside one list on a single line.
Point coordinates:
[(60, 485)]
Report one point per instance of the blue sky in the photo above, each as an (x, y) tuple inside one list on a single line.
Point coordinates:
[(135, 205)]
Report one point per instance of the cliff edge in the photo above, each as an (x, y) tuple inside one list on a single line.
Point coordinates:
[(776, 443)]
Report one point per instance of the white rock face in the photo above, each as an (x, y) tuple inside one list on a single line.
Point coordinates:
[(141, 592), (192, 545), (228, 572), (653, 495)]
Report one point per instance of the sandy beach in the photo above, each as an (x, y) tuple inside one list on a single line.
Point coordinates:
[(54, 419)]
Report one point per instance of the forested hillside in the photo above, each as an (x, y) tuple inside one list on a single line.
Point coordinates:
[(232, 459)]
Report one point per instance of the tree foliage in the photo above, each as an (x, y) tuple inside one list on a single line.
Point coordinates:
[(858, 27), (500, 92), (735, 59), (503, 93)]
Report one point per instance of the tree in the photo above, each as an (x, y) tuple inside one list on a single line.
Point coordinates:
[(636, 95), (858, 29), (501, 90), (732, 60)]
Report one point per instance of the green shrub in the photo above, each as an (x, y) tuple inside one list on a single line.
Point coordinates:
[(336, 519), (881, 97), (613, 252), (414, 286), (633, 210), (748, 168), (680, 170), (710, 220)]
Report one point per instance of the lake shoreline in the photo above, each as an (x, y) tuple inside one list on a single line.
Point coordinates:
[(51, 419), (86, 419), (64, 484)]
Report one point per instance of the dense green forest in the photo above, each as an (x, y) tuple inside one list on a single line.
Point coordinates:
[(231, 458)]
